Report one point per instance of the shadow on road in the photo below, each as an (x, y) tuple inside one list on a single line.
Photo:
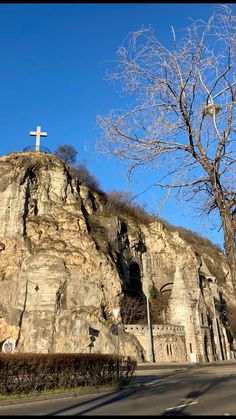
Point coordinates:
[(191, 397), (121, 395), (152, 385)]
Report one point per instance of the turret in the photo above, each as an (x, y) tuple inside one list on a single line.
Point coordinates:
[(181, 311)]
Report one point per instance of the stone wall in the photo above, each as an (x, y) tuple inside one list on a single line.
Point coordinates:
[(168, 342)]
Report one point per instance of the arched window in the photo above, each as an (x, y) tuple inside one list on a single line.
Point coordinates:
[(166, 288)]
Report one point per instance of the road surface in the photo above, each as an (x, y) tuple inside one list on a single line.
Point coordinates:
[(170, 391)]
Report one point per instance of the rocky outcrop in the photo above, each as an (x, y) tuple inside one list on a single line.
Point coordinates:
[(66, 260)]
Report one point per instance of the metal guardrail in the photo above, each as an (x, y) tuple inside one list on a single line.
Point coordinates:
[(41, 149)]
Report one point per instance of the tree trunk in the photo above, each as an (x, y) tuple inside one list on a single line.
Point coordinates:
[(229, 242), (227, 224)]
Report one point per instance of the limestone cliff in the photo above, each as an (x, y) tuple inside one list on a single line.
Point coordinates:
[(66, 259)]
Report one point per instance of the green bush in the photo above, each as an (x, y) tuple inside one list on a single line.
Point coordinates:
[(153, 292)]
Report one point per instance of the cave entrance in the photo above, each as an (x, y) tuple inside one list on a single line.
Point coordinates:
[(134, 305), (134, 284)]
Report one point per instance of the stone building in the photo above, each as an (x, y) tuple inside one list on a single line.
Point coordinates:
[(68, 256), (194, 332)]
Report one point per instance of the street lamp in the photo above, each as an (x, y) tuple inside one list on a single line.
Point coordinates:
[(149, 329), (215, 323), (116, 314), (149, 333), (211, 108), (216, 329)]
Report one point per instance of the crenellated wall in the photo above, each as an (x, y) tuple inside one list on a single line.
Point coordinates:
[(168, 341)]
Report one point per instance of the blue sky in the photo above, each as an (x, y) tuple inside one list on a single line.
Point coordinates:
[(54, 59)]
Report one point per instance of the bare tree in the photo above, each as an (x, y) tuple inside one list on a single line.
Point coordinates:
[(85, 177), (133, 310), (67, 153), (181, 118), (159, 308)]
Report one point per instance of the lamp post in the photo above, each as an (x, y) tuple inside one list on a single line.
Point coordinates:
[(149, 329), (210, 109), (116, 313), (215, 324), (216, 329), (149, 333)]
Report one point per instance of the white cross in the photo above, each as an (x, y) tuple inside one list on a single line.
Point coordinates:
[(38, 134)]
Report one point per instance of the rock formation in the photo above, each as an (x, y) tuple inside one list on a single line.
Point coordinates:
[(66, 260)]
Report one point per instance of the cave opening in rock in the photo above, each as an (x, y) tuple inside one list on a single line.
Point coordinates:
[(134, 305), (134, 284)]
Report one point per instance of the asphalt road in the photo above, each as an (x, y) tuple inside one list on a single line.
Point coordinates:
[(160, 391)]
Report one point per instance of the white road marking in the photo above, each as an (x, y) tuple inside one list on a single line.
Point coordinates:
[(181, 405)]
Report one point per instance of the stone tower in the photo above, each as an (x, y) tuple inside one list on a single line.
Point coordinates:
[(181, 312)]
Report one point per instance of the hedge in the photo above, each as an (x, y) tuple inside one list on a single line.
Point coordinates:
[(33, 372)]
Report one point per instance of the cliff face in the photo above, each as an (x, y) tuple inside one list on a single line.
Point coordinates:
[(65, 259)]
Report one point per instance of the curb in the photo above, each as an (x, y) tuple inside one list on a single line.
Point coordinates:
[(112, 389), (68, 395)]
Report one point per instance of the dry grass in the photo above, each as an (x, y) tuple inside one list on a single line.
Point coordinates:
[(120, 203)]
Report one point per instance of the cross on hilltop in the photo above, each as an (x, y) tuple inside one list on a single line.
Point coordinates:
[(38, 134)]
